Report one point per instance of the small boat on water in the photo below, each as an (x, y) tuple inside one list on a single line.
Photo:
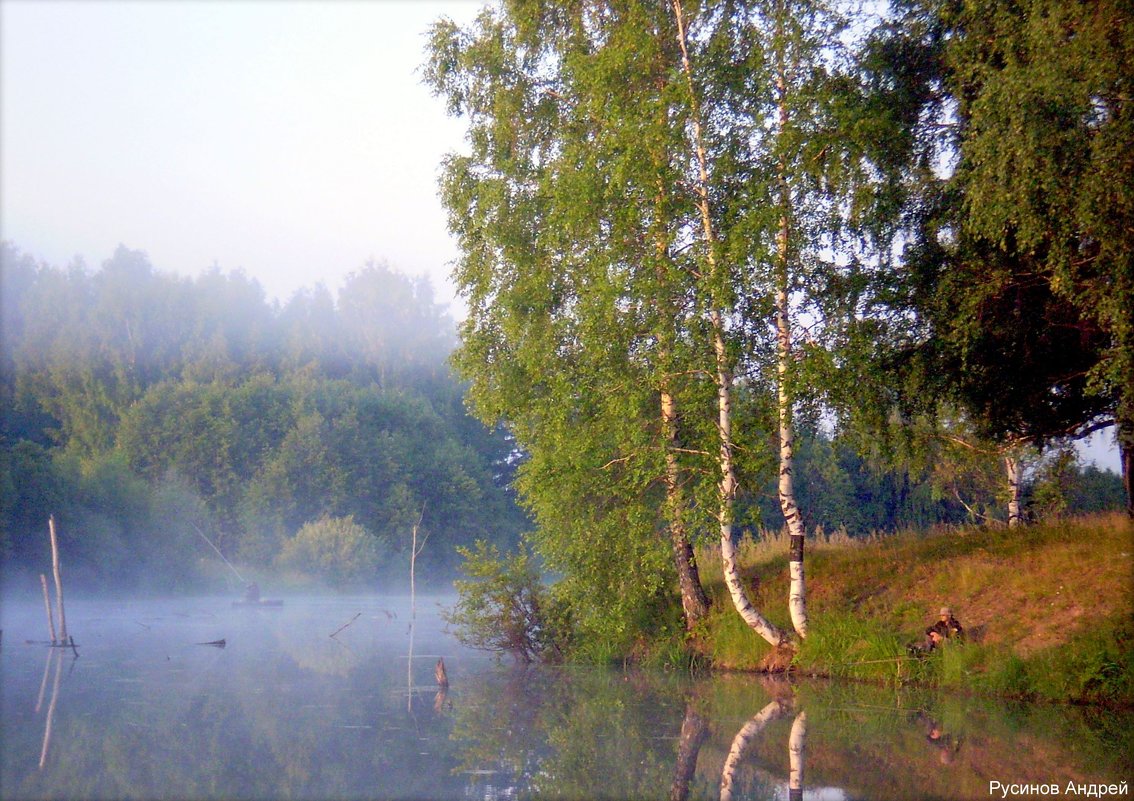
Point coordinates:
[(252, 598)]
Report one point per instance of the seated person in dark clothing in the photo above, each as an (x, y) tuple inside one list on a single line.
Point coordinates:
[(945, 628)]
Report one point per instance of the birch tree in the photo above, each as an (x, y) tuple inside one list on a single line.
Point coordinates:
[(777, 100), (1025, 273), (650, 187), (719, 303), (578, 298)]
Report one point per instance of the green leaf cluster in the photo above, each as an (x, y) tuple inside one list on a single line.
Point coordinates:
[(505, 607), (335, 549)]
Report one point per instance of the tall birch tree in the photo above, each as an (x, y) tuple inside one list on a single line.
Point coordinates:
[(776, 99), (719, 301), (578, 297), (651, 187)]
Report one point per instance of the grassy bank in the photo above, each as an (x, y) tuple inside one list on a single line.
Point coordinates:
[(1048, 610)]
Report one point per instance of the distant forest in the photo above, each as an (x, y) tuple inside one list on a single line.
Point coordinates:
[(150, 412)]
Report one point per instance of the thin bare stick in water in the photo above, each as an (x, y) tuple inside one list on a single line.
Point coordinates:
[(221, 555), (58, 578), (47, 606), (415, 551), (344, 625)]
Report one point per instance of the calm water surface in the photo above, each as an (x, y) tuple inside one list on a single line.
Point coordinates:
[(284, 711)]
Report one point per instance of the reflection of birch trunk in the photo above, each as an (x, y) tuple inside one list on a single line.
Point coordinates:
[(409, 670), (51, 708), (797, 742), (742, 741), (440, 699), (694, 730)]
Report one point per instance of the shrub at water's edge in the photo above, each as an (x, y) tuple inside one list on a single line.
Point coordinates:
[(1048, 610), (504, 607)]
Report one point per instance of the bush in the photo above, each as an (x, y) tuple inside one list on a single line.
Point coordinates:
[(503, 606), (335, 549)]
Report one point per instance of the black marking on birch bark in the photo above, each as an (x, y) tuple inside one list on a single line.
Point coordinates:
[(796, 548)]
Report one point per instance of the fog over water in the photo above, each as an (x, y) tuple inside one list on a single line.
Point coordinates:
[(285, 710)]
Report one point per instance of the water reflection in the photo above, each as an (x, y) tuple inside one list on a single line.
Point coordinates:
[(286, 711), (694, 731), (743, 740), (53, 655)]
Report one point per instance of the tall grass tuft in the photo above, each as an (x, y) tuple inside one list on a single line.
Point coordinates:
[(849, 646)]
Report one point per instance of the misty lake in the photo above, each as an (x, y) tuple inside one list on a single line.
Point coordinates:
[(285, 711)]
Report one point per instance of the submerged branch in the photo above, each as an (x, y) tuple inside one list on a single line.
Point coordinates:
[(344, 625)]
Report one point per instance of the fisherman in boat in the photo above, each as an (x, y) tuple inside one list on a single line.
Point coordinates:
[(252, 593)]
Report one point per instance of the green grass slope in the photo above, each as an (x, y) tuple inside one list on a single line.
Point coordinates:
[(1048, 609)]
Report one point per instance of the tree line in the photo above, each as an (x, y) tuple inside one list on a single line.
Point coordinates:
[(148, 410), (692, 228), (151, 413)]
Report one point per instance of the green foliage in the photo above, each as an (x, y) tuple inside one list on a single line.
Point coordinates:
[(198, 400), (336, 550), (580, 301), (1096, 665), (505, 607), (1021, 263), (595, 297)]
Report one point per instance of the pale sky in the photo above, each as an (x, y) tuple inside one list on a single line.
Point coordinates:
[(292, 139)]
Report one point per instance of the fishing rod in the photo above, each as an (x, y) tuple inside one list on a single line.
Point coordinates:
[(221, 555)]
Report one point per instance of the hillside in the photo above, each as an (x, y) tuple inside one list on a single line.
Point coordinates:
[(1048, 610)]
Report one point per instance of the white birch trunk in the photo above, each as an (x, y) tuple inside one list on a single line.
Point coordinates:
[(797, 594), (1012, 465), (726, 487)]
